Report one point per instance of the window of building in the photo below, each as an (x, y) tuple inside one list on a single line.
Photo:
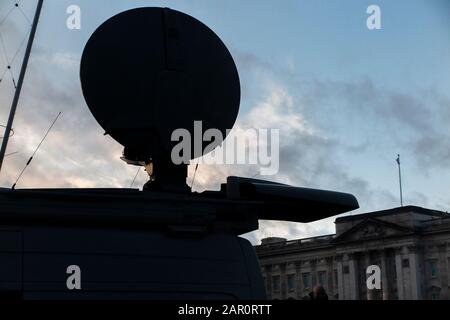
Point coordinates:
[(435, 296), (291, 282), (306, 280), (323, 278), (405, 263), (433, 268), (346, 269), (394, 295), (276, 283)]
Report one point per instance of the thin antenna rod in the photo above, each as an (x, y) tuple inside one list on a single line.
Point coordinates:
[(11, 154), (35, 151), (20, 82), (400, 180), (195, 174), (135, 177)]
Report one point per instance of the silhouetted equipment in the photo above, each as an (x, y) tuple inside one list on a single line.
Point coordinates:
[(145, 73), (18, 86), (288, 203)]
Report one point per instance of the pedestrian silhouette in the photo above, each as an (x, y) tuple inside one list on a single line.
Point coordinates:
[(317, 293)]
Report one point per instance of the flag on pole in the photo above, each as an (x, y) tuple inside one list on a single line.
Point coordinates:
[(400, 179)]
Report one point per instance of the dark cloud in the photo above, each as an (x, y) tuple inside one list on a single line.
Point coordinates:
[(417, 122)]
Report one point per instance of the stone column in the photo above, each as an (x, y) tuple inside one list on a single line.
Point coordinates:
[(443, 271), (368, 263), (330, 277), (384, 275), (313, 263), (415, 274), (298, 278), (269, 281), (340, 272), (353, 275), (283, 285), (399, 271)]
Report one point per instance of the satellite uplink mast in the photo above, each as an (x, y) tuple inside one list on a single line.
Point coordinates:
[(145, 73)]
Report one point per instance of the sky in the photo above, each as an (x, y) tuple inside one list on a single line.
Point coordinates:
[(346, 99)]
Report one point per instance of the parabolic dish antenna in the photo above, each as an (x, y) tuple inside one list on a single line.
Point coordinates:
[(149, 71)]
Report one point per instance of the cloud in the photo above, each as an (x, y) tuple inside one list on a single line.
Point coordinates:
[(418, 120), (64, 61), (75, 154)]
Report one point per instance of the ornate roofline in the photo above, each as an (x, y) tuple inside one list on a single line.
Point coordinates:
[(398, 210)]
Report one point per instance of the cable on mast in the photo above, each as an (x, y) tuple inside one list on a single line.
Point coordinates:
[(19, 84), (11, 131)]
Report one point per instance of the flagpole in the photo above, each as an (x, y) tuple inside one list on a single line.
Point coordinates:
[(20, 82), (400, 180)]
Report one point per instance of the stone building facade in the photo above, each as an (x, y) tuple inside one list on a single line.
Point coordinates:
[(411, 245)]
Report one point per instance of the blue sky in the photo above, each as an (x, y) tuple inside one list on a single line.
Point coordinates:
[(361, 97)]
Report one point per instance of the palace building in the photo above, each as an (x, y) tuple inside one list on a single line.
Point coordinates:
[(411, 245)]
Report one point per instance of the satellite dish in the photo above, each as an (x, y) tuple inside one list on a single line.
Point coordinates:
[(149, 71)]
